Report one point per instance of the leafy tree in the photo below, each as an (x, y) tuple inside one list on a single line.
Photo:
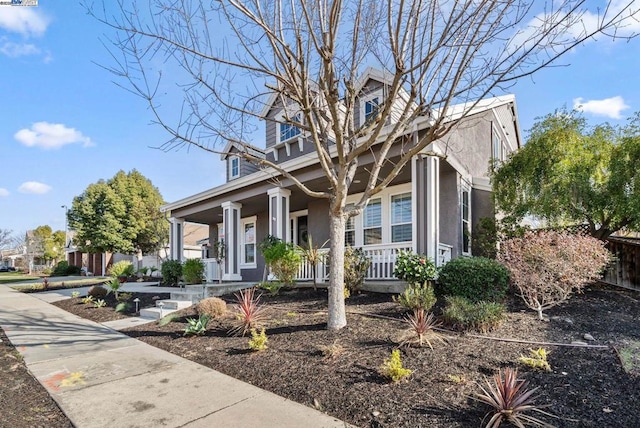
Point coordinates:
[(47, 244), (311, 55), (119, 215), (570, 173)]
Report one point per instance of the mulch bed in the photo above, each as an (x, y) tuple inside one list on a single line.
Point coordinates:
[(24, 403), (108, 313), (586, 388)]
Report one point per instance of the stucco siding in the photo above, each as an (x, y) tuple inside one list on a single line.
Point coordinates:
[(318, 223), (450, 210)]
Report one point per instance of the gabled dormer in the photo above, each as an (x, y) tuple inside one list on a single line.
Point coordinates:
[(236, 165), (372, 89)]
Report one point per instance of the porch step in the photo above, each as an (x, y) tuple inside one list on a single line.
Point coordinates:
[(168, 307)]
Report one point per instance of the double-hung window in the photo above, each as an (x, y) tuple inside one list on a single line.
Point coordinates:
[(466, 221), (289, 131), (401, 218), (234, 167), (371, 109), (249, 242), (350, 230), (372, 222)]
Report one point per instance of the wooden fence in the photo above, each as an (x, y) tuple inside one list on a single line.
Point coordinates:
[(625, 271)]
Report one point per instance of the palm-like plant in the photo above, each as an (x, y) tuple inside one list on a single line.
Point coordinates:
[(250, 313), (313, 256), (421, 329), (510, 399)]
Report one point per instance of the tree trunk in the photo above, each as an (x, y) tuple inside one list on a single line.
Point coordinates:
[(337, 314)]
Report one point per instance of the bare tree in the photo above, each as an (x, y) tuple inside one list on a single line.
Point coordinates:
[(310, 54), (6, 238)]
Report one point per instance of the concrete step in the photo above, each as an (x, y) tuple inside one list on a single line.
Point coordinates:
[(173, 304), (188, 296), (155, 313)]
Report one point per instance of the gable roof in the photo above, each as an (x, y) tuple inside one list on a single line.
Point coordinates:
[(252, 150)]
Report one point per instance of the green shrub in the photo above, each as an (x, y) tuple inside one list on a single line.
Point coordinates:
[(122, 268), (123, 307), (193, 271), (61, 268), (271, 287), (484, 238), (286, 266), (171, 272), (392, 368), (463, 314), (475, 278), (414, 268), (356, 264), (74, 270), (97, 292), (417, 296)]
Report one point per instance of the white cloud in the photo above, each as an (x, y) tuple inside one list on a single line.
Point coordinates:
[(14, 50), (51, 136), (34, 187), (28, 21), (3, 192), (609, 107)]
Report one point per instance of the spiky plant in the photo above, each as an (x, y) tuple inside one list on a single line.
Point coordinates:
[(249, 313), (510, 399), (421, 329)]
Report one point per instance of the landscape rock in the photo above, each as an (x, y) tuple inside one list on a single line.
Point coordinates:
[(588, 337)]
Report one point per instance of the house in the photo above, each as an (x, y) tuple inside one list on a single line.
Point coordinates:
[(430, 207)]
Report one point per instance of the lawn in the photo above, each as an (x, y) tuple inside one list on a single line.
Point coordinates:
[(58, 285), (9, 277)]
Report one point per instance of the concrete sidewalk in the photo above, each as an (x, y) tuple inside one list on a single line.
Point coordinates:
[(100, 377)]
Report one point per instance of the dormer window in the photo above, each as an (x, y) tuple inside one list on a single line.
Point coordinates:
[(234, 167), (289, 131), (371, 109)]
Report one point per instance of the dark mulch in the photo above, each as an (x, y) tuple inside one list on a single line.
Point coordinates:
[(587, 387), (108, 313), (24, 403)]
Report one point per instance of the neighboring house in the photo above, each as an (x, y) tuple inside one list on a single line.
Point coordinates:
[(195, 246), (430, 207)]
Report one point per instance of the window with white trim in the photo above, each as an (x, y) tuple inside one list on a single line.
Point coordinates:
[(497, 151), (372, 222), (248, 242), (466, 220), (350, 230), (371, 109), (401, 224), (289, 131), (234, 167)]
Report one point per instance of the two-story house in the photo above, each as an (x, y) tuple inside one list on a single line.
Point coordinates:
[(431, 207)]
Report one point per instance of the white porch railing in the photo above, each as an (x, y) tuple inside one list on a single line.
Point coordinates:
[(305, 271), (211, 270), (383, 259), (444, 254)]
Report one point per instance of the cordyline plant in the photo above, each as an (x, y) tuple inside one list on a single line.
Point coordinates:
[(548, 266), (250, 313), (421, 329), (510, 399)]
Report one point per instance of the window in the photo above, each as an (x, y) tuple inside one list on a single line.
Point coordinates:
[(249, 241), (497, 148), (401, 218), (466, 229), (350, 230), (234, 167), (372, 222), (288, 130), (371, 109)]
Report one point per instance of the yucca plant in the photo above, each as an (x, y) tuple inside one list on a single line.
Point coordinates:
[(421, 329), (100, 303), (250, 313), (510, 399)]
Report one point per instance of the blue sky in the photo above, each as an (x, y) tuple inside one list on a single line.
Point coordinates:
[(65, 124)]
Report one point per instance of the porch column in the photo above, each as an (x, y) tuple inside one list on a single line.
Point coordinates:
[(231, 226), (279, 225), (427, 220), (176, 238)]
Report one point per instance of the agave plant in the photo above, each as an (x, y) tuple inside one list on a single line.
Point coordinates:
[(510, 399), (197, 326), (421, 329), (250, 313)]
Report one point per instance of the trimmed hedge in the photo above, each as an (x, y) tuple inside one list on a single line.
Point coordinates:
[(474, 278)]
